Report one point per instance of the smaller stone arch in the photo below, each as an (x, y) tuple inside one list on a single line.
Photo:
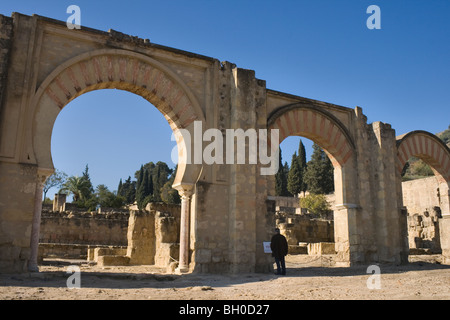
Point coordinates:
[(425, 146), (315, 124), (323, 128)]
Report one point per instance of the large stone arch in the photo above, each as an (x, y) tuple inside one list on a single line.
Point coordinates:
[(115, 69), (323, 128), (434, 152), (124, 70)]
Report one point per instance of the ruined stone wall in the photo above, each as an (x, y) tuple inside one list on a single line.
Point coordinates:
[(305, 229), (89, 228), (421, 199), (420, 195), (6, 32)]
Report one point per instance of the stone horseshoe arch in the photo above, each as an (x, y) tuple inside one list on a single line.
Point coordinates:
[(115, 69), (315, 124), (426, 146), (435, 153), (325, 129)]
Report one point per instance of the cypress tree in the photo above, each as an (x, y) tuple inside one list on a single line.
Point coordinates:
[(120, 188), (130, 193), (140, 188), (156, 185), (88, 192), (281, 179), (294, 180), (128, 190), (302, 164), (143, 194), (140, 177), (150, 183), (319, 173)]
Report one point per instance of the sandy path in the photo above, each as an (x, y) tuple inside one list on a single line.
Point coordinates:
[(305, 280)]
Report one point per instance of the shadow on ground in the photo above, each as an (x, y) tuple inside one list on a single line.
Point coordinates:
[(156, 279)]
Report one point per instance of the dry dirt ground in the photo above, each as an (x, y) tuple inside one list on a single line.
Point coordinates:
[(423, 278)]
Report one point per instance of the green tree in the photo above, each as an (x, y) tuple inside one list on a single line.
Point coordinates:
[(106, 198), (143, 192), (139, 176), (316, 204), (159, 173), (416, 168), (89, 190), (281, 178), (445, 136), (57, 179), (120, 187), (319, 174), (294, 181), (127, 190), (156, 185), (76, 186), (168, 194), (302, 164)]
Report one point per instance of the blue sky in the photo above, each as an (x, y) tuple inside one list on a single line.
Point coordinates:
[(317, 49)]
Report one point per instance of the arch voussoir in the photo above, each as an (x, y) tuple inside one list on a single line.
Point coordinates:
[(426, 146)]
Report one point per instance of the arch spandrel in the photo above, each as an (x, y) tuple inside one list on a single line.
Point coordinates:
[(112, 69)]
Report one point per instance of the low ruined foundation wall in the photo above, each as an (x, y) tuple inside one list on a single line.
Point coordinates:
[(69, 234), (305, 229)]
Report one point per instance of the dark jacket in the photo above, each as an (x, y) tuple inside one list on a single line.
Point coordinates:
[(279, 246)]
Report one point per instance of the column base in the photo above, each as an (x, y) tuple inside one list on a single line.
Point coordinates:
[(182, 269), (32, 267)]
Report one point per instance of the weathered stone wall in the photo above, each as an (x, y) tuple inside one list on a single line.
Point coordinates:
[(423, 232), (141, 237), (6, 32), (305, 229), (90, 228), (150, 236), (421, 199), (16, 213), (444, 227), (420, 195)]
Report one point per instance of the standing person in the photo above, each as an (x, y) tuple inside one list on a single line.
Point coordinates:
[(279, 247)]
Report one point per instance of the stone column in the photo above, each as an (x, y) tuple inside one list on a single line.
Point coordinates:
[(36, 222), (59, 202), (444, 222), (183, 265), (346, 237)]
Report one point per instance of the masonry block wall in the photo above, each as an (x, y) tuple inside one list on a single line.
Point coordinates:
[(84, 228), (6, 33)]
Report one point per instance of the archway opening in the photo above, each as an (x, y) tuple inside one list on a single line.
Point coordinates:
[(336, 145), (305, 200), (117, 154), (424, 160), (421, 199)]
